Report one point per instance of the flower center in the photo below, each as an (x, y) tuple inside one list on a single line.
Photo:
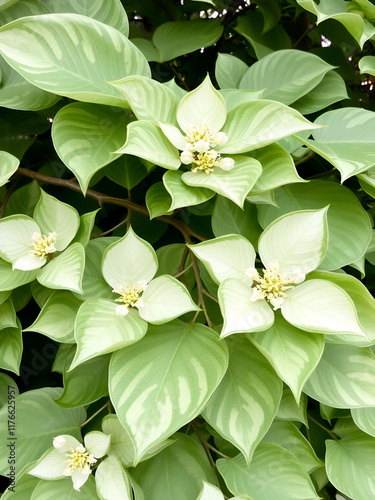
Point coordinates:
[(206, 161), (79, 459), (199, 133), (273, 285), (130, 296), (43, 246)]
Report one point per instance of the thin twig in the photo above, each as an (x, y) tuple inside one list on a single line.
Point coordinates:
[(180, 273), (110, 230), (323, 174), (95, 414), (209, 295), (207, 450), (304, 158), (322, 426)]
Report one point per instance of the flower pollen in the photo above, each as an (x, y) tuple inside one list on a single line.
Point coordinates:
[(43, 246), (79, 459), (130, 296), (274, 283)]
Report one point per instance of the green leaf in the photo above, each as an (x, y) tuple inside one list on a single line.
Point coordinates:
[(9, 165), (129, 260), (203, 105), (85, 137), (234, 97), (176, 472), (255, 124), (11, 348), (99, 330), (367, 65), (68, 65), (12, 278), (239, 312), (7, 315), (292, 352), (277, 169), (65, 271), (86, 225), (85, 384), (158, 200), (149, 99), (23, 200), (165, 299), (364, 419), (331, 89), (25, 485), (228, 218), (8, 389), (146, 140), (345, 216), (174, 39), (229, 71), (112, 480), (57, 317), (298, 241), (182, 194), (121, 445), (233, 184), (359, 28), (346, 140), (350, 463), (127, 171), (18, 93), (286, 75), (226, 257), (210, 492), (323, 307), (245, 403), (285, 434), (166, 354), (273, 469), (344, 377), (64, 489), (39, 420), (290, 410)]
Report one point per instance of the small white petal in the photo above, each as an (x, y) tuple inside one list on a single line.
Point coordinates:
[(298, 277), (186, 157), (277, 302), (252, 273), (220, 139), (80, 477), (122, 310), (201, 146), (65, 442), (256, 295), (29, 262), (51, 466)]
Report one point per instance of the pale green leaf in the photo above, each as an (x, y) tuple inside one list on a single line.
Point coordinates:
[(228, 218), (350, 464), (11, 348), (239, 312), (85, 137), (290, 410), (234, 184), (331, 89), (127, 171), (8, 166), (7, 315), (99, 330), (176, 89), (344, 377), (176, 472), (181, 193), (285, 434), (266, 198), (146, 140), (129, 260), (39, 421), (149, 99), (257, 123), (273, 470), (165, 299), (52, 215), (346, 140), (286, 75), (277, 169), (97, 443), (79, 388), (367, 65), (364, 418), (57, 317), (292, 352), (13, 278), (298, 241), (321, 306), (65, 271), (86, 224), (229, 71), (24, 487), (345, 216), (158, 200), (112, 480), (75, 62), (234, 97), (23, 200), (226, 257), (63, 488), (210, 492), (203, 105), (148, 402), (245, 403)]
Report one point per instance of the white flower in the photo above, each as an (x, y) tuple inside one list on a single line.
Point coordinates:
[(69, 457)]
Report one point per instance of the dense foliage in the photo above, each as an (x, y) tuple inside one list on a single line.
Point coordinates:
[(186, 249)]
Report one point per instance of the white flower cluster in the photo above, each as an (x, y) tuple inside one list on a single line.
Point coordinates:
[(198, 150)]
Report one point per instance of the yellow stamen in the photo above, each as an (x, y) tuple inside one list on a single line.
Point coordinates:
[(79, 459), (43, 245)]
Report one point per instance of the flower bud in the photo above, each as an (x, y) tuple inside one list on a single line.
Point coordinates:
[(227, 163), (186, 157), (220, 138), (201, 146)]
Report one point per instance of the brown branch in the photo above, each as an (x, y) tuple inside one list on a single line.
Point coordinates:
[(101, 198)]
